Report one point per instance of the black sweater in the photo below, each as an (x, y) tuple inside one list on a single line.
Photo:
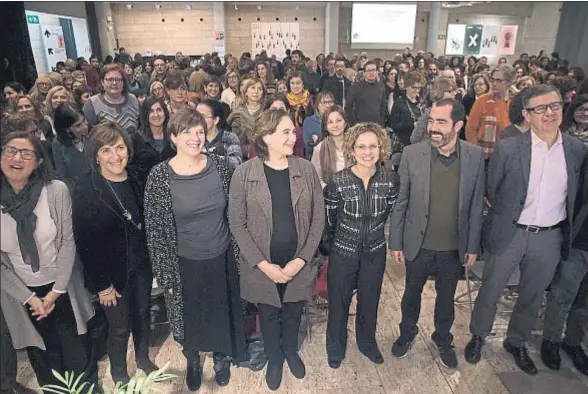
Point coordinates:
[(367, 102)]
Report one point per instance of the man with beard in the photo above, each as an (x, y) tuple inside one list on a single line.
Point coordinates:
[(338, 84), (441, 232)]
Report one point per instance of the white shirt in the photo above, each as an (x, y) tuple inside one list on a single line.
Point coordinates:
[(45, 233), (547, 192)]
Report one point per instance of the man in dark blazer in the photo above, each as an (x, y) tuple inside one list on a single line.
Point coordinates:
[(532, 182), (570, 282), (436, 223)]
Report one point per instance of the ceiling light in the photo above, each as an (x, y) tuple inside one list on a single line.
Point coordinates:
[(157, 6), (188, 6), (129, 6)]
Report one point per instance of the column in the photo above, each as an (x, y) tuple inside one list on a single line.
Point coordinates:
[(106, 28), (218, 26), (434, 17), (331, 27)]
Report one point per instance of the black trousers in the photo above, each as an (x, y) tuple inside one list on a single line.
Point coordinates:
[(279, 329), (364, 273), (65, 349), (8, 358), (131, 314), (447, 268)]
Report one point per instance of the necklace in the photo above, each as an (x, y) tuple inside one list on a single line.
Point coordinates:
[(125, 212)]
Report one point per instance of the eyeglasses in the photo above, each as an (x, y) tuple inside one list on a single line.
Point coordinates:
[(327, 102), (540, 109), (371, 70), (366, 148), (497, 80), (112, 80), (44, 84), (11, 152), (581, 111)]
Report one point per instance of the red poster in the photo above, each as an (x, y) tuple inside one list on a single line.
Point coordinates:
[(507, 40)]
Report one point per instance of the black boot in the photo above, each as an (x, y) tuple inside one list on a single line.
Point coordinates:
[(193, 373), (296, 365), (273, 374), (222, 368), (550, 354)]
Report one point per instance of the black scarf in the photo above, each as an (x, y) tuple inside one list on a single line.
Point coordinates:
[(20, 206)]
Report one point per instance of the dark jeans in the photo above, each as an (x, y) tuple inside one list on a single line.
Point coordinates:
[(447, 268), (279, 328), (65, 349), (8, 354), (131, 314), (364, 273)]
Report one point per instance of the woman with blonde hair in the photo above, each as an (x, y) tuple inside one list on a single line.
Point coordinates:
[(358, 201), (57, 96), (42, 86), (30, 107), (250, 107)]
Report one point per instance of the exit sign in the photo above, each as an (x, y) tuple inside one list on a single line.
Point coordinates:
[(441, 37), (33, 19)]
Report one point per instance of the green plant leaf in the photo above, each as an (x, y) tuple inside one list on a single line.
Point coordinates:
[(91, 389), (131, 386), (70, 377), (77, 382), (140, 384), (59, 377), (55, 389)]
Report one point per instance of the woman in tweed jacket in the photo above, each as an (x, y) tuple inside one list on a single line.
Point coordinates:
[(192, 250)]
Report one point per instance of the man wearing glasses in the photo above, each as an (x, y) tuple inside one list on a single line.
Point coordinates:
[(367, 101), (532, 183), (489, 115)]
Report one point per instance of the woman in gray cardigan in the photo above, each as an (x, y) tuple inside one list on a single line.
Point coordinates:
[(43, 296), (276, 214)]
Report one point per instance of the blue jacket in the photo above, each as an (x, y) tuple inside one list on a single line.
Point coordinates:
[(311, 126)]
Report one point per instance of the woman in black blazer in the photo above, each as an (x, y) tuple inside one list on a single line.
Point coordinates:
[(107, 216)]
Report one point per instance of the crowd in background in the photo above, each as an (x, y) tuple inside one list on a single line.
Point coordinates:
[(231, 178)]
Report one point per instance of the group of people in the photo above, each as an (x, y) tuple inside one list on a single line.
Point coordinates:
[(231, 182)]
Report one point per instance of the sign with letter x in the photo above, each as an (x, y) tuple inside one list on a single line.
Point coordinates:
[(473, 39)]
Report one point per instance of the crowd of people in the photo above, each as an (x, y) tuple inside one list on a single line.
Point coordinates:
[(236, 180)]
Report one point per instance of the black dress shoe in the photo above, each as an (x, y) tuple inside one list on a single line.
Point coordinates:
[(578, 357), (273, 374), (146, 365), (122, 378), (373, 354), (296, 366), (550, 354), (334, 363), (521, 357), (193, 374), (222, 369), (473, 350)]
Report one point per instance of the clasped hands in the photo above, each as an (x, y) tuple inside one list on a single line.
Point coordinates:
[(42, 307), (278, 274), (469, 258)]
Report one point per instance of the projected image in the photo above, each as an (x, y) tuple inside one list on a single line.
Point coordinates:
[(383, 23)]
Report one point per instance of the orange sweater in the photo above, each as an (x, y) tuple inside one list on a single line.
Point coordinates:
[(487, 117)]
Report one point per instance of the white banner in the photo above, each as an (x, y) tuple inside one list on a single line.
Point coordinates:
[(54, 45), (490, 36)]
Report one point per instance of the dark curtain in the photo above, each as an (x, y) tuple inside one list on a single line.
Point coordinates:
[(93, 32), (69, 37), (16, 54), (572, 34)]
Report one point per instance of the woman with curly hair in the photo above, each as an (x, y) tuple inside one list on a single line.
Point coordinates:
[(358, 201)]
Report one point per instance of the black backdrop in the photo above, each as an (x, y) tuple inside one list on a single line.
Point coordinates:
[(16, 54)]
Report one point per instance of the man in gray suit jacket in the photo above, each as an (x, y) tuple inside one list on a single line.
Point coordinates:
[(532, 183), (436, 223)]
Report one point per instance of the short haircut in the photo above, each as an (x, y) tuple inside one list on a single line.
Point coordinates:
[(17, 87), (536, 91), (412, 77), (265, 124), (45, 170), (105, 133), (296, 74), (507, 70), (174, 80), (565, 84), (370, 63), (441, 86), (278, 97), (458, 112), (114, 67), (184, 119), (16, 121), (321, 96), (351, 136)]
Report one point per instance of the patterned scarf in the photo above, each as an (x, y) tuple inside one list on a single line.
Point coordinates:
[(298, 100)]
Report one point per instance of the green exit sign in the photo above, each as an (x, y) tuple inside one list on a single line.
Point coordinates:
[(441, 37), (33, 19)]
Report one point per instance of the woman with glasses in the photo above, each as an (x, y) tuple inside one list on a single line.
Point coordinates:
[(575, 120), (358, 201), (39, 92), (44, 300), (480, 85), (114, 103), (232, 84), (109, 232), (407, 110), (311, 127)]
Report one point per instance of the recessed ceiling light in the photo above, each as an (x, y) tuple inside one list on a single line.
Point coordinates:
[(188, 6), (129, 6), (157, 6)]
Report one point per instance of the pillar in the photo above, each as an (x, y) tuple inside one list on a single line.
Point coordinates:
[(331, 27), (434, 17), (106, 28), (218, 27)]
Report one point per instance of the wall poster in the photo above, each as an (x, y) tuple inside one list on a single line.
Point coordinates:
[(274, 38), (507, 40), (455, 38), (489, 40)]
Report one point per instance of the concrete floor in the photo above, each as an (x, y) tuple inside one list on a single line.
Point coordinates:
[(419, 373)]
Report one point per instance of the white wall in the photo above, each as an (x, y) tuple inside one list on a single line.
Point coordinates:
[(67, 8)]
